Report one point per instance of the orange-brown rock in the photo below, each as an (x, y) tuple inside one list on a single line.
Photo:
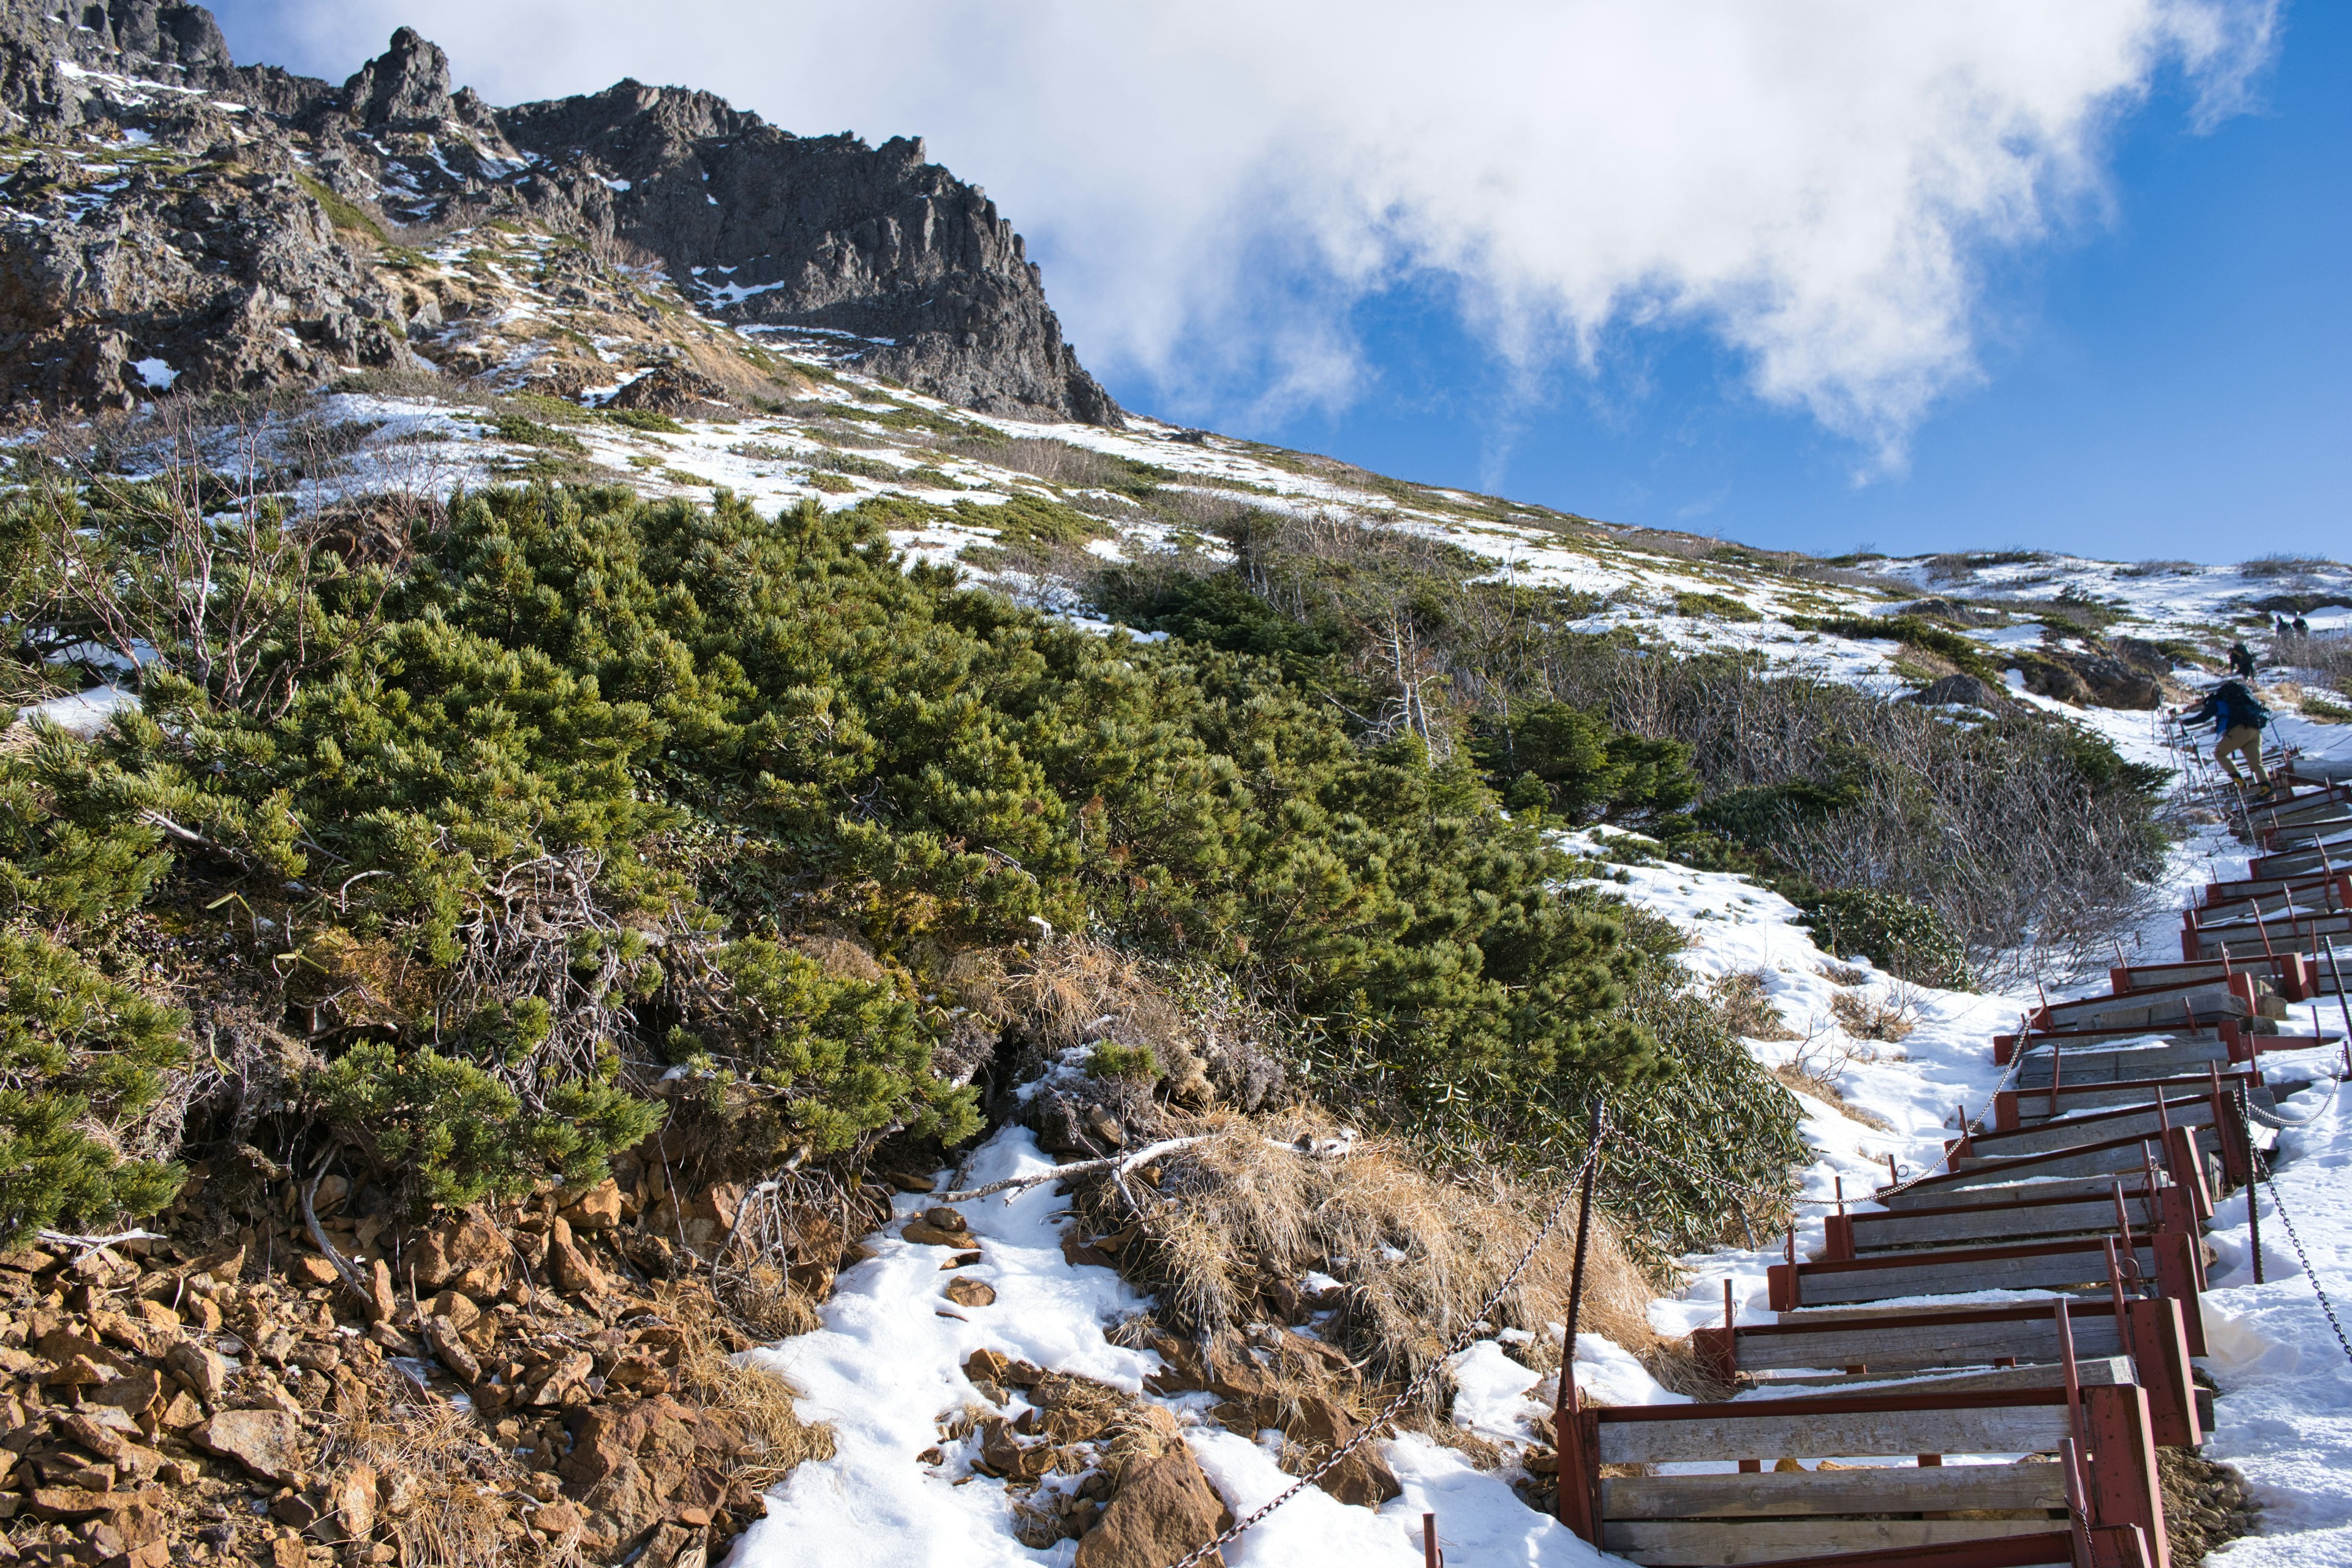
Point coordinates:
[(1164, 1508)]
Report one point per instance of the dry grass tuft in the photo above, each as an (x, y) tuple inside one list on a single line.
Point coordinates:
[(1417, 1254), (453, 1519), (1842, 973), (1743, 1003), (764, 1300), (775, 1437), (1888, 1018), (1140, 1431), (1205, 1039), (1817, 1064)]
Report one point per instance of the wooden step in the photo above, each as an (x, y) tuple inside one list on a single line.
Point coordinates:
[(2106, 1124), (2328, 889), (2109, 1549), (2246, 984), (2161, 1010), (2222, 1034), (2025, 1107), (1941, 1195), (1784, 1494), (2172, 1262), (1870, 1234), (2241, 946), (1722, 1518), (1698, 1542), (2297, 934), (1909, 1340), (2090, 1370), (2286, 971), (2110, 1159), (2303, 835), (2279, 916), (2323, 854), (2094, 1062)]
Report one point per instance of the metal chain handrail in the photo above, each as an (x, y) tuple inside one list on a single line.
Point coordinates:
[(2304, 1259), (1389, 1412), (2272, 1119)]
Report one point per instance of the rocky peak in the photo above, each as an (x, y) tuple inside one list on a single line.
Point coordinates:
[(407, 87), (147, 34), (882, 260)]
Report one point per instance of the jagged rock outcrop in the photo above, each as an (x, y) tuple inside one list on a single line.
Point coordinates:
[(227, 228)]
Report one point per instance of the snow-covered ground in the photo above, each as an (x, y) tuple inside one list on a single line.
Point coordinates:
[(885, 1367)]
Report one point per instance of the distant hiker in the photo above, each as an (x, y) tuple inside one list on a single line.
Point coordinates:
[(2240, 661), (2302, 627), (2238, 718)]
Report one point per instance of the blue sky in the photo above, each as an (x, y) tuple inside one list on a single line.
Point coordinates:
[(2173, 378), (1817, 274)]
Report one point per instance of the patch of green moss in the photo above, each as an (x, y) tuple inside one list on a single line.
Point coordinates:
[(342, 212)]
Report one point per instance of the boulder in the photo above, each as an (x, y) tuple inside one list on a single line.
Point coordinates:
[(470, 1255), (2046, 677), (598, 1208), (1163, 1509), (628, 1461), (669, 389), (442, 1335), (572, 1271), (939, 1227), (2114, 683), (1363, 1477), (266, 1442), (308, 1268), (382, 1305), (966, 1291), (202, 1369), (349, 1514)]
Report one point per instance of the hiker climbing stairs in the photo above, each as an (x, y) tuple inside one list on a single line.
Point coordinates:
[(2121, 1124)]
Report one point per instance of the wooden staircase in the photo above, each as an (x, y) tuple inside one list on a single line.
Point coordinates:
[(2090, 1181)]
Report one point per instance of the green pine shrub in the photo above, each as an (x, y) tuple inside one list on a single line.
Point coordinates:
[(512, 832), (1906, 938)]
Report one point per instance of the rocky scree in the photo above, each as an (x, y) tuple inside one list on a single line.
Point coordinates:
[(542, 1382)]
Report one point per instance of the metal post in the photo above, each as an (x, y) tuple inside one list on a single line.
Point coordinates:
[(2253, 1186), (2336, 974), (1431, 1556), (1565, 1408)]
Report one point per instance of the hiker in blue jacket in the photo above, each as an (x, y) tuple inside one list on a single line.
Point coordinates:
[(2238, 718)]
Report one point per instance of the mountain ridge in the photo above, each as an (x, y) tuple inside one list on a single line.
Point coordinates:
[(167, 208)]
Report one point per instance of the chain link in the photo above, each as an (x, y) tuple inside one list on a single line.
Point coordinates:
[(2326, 1306), (1387, 1413), (2272, 1119)]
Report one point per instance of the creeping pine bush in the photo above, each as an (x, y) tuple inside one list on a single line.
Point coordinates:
[(541, 820), (1899, 936), (83, 1056)]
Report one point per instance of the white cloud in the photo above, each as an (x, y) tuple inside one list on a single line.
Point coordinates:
[(1816, 182)]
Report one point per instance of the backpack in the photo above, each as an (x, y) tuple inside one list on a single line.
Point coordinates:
[(2239, 708)]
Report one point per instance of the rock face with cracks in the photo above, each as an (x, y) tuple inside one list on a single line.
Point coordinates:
[(172, 221)]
